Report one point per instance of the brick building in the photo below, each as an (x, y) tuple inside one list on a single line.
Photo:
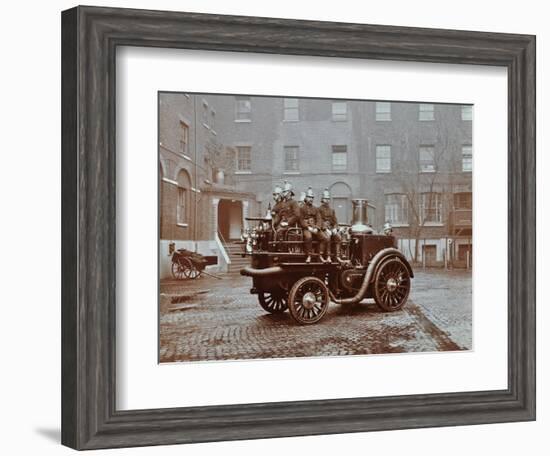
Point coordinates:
[(200, 207), (412, 161)]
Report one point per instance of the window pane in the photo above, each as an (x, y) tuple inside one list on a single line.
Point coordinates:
[(431, 207), (292, 161), (242, 108), (291, 102), (291, 112), (244, 160), (212, 119), (383, 159), (466, 112), (397, 209), (180, 208), (467, 158), (184, 138), (205, 113), (426, 112), (427, 159), (339, 158), (383, 111), (339, 110)]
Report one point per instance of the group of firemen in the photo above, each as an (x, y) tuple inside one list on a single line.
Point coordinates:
[(317, 223)]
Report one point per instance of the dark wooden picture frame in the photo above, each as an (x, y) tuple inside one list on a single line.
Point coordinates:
[(90, 37)]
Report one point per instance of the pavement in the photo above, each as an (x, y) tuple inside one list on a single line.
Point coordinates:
[(209, 319)]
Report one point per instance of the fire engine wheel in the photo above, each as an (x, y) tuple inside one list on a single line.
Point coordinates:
[(273, 302), (308, 300), (392, 284)]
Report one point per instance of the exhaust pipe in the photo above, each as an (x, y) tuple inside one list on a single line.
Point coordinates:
[(366, 280)]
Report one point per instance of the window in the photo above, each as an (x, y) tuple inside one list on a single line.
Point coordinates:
[(244, 159), (467, 158), (243, 109), (430, 207), (292, 161), (426, 155), (339, 158), (181, 206), (383, 159), (463, 200), (339, 110), (184, 140), (383, 111), (205, 113), (291, 111), (426, 112), (466, 113), (212, 119), (397, 209)]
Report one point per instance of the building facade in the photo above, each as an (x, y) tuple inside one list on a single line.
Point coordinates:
[(200, 208), (412, 161)]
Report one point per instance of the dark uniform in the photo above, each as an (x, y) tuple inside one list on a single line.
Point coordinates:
[(285, 211), (329, 223), (310, 217)]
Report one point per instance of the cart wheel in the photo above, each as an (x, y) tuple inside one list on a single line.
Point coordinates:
[(392, 284), (187, 267), (178, 269), (183, 268), (193, 272), (308, 300), (273, 302)]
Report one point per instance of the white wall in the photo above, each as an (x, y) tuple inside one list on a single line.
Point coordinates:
[(30, 189)]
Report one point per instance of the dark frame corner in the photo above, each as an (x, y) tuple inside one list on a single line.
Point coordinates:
[(90, 36)]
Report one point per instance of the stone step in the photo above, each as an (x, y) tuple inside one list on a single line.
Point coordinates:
[(234, 251)]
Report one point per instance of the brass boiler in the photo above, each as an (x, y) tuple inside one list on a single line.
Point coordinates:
[(360, 220)]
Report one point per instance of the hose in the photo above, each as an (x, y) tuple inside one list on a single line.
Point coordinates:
[(253, 272), (366, 280)]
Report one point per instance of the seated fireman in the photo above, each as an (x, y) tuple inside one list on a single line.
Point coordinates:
[(277, 200), (330, 224), (310, 221), (286, 214)]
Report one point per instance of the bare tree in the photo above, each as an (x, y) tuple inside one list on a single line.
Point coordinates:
[(426, 180)]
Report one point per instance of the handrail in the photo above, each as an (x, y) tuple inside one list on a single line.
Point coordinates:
[(221, 247), (218, 232)]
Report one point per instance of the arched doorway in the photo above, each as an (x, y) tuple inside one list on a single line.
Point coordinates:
[(340, 193), (230, 219)]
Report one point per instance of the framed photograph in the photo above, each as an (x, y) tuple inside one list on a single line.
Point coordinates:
[(269, 226)]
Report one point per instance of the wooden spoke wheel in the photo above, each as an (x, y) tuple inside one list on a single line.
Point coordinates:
[(183, 268), (193, 271), (392, 284), (273, 302), (308, 300)]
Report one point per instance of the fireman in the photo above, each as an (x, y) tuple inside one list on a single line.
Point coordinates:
[(302, 199), (310, 221), (287, 213), (277, 199), (329, 224)]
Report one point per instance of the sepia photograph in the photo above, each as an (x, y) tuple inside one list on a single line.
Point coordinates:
[(294, 227)]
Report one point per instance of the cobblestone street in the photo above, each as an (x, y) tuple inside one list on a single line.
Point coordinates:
[(210, 319)]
